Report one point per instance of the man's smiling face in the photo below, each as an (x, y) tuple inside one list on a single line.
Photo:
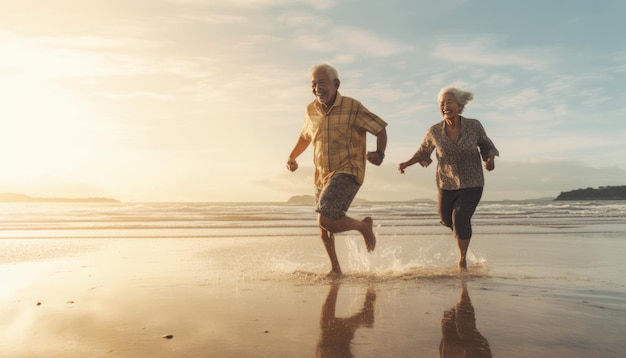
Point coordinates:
[(324, 87)]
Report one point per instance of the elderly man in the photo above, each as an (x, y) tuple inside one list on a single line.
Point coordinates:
[(337, 127)]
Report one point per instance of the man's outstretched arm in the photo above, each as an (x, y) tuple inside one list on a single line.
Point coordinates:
[(300, 147)]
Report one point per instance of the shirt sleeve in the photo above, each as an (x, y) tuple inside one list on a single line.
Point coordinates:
[(305, 132), (426, 149), (369, 121), (486, 146)]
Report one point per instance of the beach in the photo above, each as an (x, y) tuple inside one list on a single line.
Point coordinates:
[(248, 280)]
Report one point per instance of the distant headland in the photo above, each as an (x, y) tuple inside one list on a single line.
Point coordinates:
[(21, 198), (601, 193)]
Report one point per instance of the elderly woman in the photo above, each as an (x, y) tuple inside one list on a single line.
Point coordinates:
[(460, 144)]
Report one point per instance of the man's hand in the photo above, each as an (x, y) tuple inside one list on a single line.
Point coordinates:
[(374, 158), (292, 165)]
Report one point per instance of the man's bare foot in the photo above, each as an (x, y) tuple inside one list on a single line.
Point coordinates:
[(368, 234)]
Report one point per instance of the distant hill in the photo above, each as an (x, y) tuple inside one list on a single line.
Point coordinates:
[(21, 198), (602, 193)]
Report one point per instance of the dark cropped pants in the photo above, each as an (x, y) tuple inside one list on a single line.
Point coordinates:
[(456, 208)]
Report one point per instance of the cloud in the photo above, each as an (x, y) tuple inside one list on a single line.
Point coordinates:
[(140, 94), (255, 4), (299, 19), (488, 53), (213, 19), (352, 40), (499, 79), (63, 57), (87, 42), (521, 98)]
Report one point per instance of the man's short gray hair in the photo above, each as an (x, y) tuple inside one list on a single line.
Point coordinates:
[(462, 97), (332, 72)]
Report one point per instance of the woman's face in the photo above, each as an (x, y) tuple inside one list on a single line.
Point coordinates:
[(450, 108)]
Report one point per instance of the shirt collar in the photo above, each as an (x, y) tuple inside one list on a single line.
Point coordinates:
[(337, 103), (460, 122)]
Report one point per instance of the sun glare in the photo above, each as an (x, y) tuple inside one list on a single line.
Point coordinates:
[(40, 121)]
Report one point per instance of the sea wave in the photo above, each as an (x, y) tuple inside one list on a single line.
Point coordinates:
[(277, 219)]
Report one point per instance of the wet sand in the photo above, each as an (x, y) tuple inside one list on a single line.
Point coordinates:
[(528, 295)]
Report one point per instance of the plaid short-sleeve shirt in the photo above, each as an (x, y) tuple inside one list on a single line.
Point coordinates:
[(339, 137)]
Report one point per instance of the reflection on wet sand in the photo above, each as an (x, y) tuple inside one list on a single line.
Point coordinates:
[(460, 337), (337, 333)]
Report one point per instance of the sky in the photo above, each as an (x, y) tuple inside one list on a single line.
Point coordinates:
[(203, 100)]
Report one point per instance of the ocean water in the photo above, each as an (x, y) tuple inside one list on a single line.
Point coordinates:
[(577, 241), (409, 234), (174, 220), (546, 278)]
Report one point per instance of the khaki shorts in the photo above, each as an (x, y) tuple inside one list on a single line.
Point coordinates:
[(334, 199)]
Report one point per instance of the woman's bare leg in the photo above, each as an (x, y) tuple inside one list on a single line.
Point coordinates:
[(463, 245)]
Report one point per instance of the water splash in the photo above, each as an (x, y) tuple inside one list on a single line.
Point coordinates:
[(390, 261)]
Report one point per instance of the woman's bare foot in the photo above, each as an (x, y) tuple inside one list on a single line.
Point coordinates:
[(368, 234), (334, 275), (462, 264)]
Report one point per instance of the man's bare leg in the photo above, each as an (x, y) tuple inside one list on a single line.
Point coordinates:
[(328, 238), (463, 245), (346, 223), (368, 234)]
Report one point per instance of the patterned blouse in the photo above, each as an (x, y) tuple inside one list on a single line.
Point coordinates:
[(339, 137), (459, 163)]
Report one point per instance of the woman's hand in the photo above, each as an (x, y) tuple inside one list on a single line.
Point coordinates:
[(490, 164)]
